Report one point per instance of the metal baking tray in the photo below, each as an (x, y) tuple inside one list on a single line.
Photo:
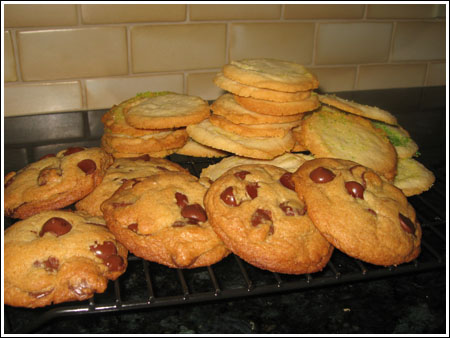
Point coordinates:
[(150, 285)]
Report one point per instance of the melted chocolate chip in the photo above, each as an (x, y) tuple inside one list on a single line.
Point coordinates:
[(252, 189), (178, 224), (72, 150), (133, 227), (182, 199), (241, 174), (292, 211), (406, 224), (114, 263), (56, 226), (88, 166), (286, 180), (108, 254), (81, 289), (261, 216), (104, 250), (194, 212), (50, 265), (321, 175), (228, 197), (355, 189)]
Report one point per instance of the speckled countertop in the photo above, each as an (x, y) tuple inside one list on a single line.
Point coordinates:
[(413, 301)]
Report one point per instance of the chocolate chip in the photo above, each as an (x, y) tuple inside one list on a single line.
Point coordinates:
[(286, 180), (290, 210), (261, 216), (252, 189), (104, 250), (321, 175), (228, 197), (72, 150), (81, 289), (241, 174), (50, 265), (56, 226), (133, 227), (194, 212), (406, 224), (114, 263), (372, 212), (355, 189), (120, 204), (178, 224), (88, 166), (182, 199)]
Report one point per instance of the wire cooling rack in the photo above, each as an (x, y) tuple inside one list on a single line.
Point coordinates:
[(151, 285)]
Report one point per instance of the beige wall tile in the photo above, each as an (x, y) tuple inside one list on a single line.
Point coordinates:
[(405, 11), (117, 13), (436, 74), (10, 62), (391, 76), (419, 41), (335, 79), (201, 84), (288, 41), (343, 43), (71, 53), (41, 15), (105, 92), (234, 12), (26, 99), (162, 48), (314, 12)]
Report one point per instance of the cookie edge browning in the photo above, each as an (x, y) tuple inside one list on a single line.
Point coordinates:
[(323, 225)]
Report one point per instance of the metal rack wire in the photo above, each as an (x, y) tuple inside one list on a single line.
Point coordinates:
[(150, 285)]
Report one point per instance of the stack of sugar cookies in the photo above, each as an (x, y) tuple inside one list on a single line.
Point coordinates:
[(152, 123), (265, 100)]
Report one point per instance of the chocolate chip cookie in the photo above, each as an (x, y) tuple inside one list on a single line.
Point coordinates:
[(59, 256), (358, 212), (55, 181), (162, 219), (258, 215)]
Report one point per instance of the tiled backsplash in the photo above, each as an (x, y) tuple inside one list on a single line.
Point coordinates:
[(75, 57)]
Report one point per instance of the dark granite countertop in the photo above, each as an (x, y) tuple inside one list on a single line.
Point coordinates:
[(413, 301)]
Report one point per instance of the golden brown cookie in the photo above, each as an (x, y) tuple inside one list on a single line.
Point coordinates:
[(330, 133), (278, 108), (358, 212), (227, 107), (272, 74), (55, 181), (59, 256), (413, 178), (120, 171), (370, 112), (255, 147), (258, 215), (162, 219), (117, 154), (166, 111), (254, 130), (162, 141), (195, 149), (258, 93)]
